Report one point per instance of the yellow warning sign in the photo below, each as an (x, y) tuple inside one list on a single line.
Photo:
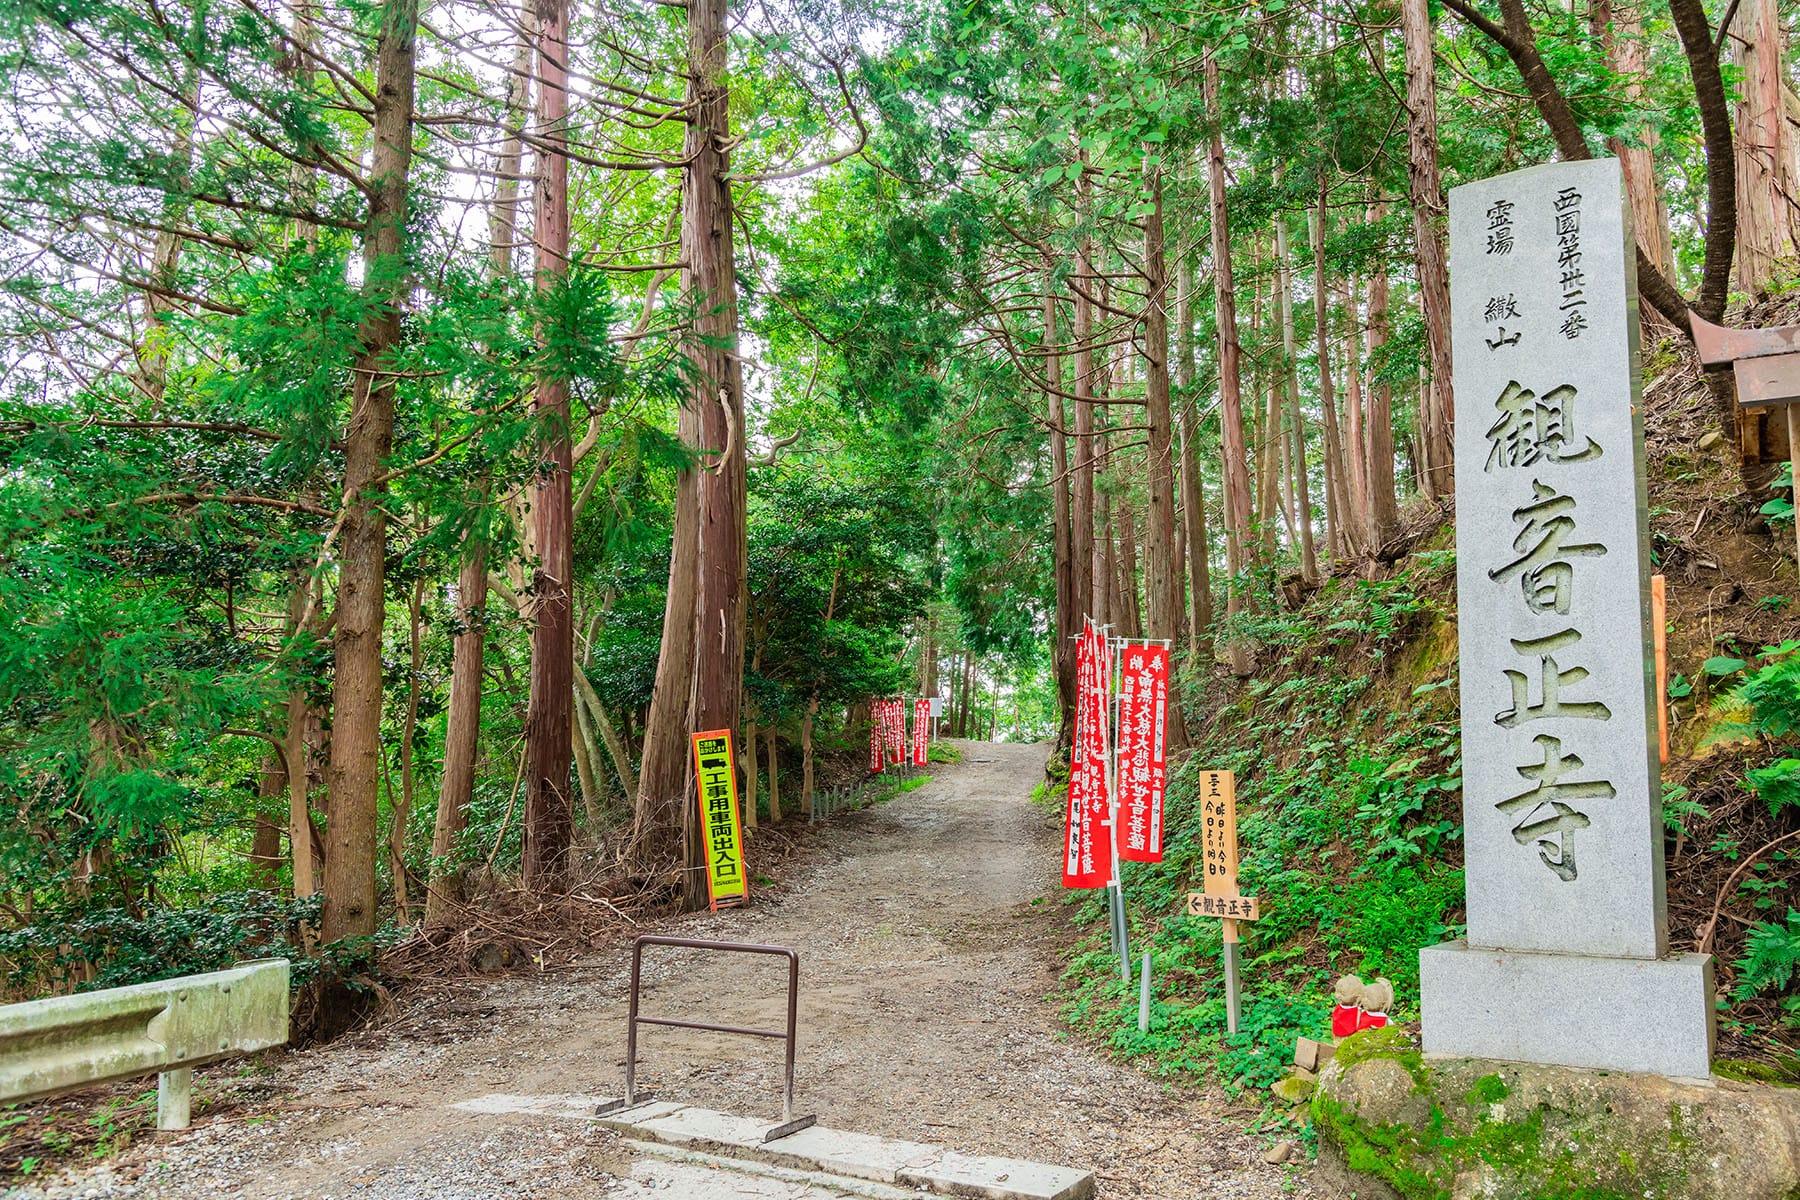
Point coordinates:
[(715, 774)]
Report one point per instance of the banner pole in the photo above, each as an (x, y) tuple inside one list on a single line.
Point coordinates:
[(1115, 648)]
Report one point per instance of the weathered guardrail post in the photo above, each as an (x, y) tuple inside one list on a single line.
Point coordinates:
[(170, 1026)]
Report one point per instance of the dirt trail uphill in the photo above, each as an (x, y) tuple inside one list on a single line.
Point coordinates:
[(926, 929)]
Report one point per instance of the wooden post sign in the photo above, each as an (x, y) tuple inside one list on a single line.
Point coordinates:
[(1218, 846), (715, 774)]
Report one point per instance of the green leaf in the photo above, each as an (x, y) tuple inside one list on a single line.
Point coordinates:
[(1722, 665)]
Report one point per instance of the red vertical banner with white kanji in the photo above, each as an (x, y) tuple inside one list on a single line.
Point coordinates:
[(896, 731), (1087, 855), (1142, 772), (921, 739), (876, 736)]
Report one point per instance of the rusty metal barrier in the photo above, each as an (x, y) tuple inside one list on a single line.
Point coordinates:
[(789, 1122)]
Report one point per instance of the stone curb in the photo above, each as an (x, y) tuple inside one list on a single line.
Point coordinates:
[(851, 1155)]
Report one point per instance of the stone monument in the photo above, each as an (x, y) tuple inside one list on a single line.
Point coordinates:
[(1567, 957)]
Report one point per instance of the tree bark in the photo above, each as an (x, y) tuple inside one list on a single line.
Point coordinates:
[(1437, 404), (1290, 372), (1384, 505), (368, 439), (1336, 504), (1628, 49), (1360, 523), (302, 848), (549, 808), (1231, 414), (1162, 574), (774, 779), (1193, 496), (1082, 502), (409, 729), (1068, 620), (806, 756), (1765, 152)]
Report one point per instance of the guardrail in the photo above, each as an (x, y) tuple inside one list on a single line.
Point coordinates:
[(170, 1026), (789, 1122)]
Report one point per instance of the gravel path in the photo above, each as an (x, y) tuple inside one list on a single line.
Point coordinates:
[(927, 932)]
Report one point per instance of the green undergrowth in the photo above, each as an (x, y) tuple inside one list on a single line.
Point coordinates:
[(1345, 747), (943, 752)]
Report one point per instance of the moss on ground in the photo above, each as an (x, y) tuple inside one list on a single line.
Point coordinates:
[(1538, 1150)]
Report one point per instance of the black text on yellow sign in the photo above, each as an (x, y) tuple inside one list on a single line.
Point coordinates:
[(715, 775)]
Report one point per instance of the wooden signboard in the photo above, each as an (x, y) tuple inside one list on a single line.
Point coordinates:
[(1218, 840), (1232, 908)]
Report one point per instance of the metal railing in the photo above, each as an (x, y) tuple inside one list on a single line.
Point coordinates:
[(789, 1122), (170, 1026)]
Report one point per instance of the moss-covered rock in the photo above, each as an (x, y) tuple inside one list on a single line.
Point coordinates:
[(1393, 1126)]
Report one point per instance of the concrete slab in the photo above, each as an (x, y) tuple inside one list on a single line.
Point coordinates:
[(857, 1155), (700, 1128), (574, 1107), (729, 1177), (957, 1174), (852, 1156), (649, 1110)]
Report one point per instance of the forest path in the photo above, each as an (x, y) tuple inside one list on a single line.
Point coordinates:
[(927, 929)]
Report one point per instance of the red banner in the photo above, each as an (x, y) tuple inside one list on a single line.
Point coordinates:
[(875, 737), (1087, 854), (921, 732), (896, 710), (1142, 772)]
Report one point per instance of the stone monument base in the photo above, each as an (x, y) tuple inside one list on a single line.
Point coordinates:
[(1394, 1127), (1653, 1016)]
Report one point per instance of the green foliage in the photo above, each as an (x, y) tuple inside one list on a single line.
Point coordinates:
[(121, 947), (1770, 963)]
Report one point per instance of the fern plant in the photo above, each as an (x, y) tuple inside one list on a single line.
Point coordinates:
[(1771, 959), (1766, 704)]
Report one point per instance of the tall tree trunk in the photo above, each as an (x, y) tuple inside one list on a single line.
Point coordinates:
[(587, 760), (1068, 620), (368, 439), (549, 808), (1129, 614), (1162, 575), (409, 729), (774, 779), (1193, 495), (462, 732), (1437, 406), (750, 768), (806, 756), (710, 282), (1082, 502), (1384, 506), (1290, 354), (1649, 214), (616, 748), (1766, 186), (1336, 486), (302, 850), (700, 668), (1231, 413), (1359, 522)]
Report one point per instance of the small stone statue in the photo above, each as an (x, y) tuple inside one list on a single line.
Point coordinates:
[(1360, 1005), (1348, 1010)]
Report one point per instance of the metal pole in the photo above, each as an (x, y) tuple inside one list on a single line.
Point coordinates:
[(787, 1095), (1144, 995), (1231, 987), (631, 1023), (1122, 931)]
